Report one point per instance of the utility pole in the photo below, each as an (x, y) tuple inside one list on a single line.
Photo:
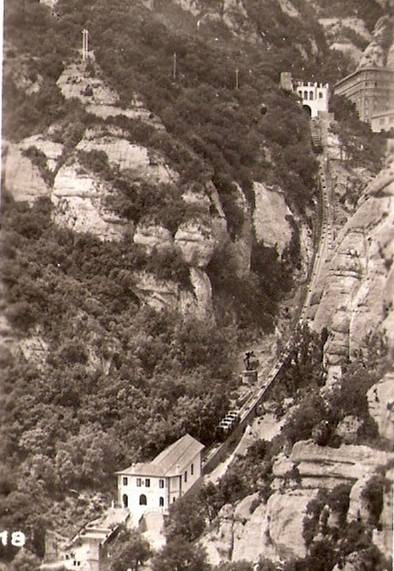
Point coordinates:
[(85, 45), (174, 67), (236, 78)]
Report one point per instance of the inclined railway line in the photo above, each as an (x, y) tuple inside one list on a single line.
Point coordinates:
[(324, 247)]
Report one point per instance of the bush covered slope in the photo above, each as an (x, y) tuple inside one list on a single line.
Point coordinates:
[(115, 381)]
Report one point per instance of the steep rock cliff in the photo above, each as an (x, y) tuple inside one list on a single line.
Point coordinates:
[(357, 296)]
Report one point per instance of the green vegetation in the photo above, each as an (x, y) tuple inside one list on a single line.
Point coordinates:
[(358, 144), (119, 381), (180, 554), (369, 10), (131, 551), (335, 543)]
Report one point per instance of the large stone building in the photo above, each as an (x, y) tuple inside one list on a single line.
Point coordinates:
[(371, 89), (153, 486)]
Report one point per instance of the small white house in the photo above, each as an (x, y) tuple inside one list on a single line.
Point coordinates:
[(153, 486)]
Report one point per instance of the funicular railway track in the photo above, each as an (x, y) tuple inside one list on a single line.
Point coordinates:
[(324, 244)]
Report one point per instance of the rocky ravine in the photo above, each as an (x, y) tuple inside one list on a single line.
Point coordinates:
[(357, 299)]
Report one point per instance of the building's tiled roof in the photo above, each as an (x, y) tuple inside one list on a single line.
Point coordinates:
[(178, 456), (143, 469), (170, 462)]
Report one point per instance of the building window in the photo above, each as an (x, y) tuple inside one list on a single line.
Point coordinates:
[(125, 481), (305, 95), (143, 501), (147, 482), (311, 95), (161, 502), (161, 483), (185, 476), (192, 469), (139, 482), (320, 95), (173, 500)]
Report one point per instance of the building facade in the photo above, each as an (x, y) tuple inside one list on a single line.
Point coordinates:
[(383, 121), (154, 486), (371, 89), (313, 96), (88, 550)]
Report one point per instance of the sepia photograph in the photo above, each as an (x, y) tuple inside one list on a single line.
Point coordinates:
[(197, 285)]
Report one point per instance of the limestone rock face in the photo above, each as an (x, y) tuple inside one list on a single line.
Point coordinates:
[(52, 151), (381, 406), (203, 293), (375, 54), (34, 349), (196, 243), (273, 529), (77, 82), (156, 293), (327, 467), (285, 513), (358, 506), (269, 217), (80, 196), (143, 163), (21, 177), (79, 203), (359, 288), (168, 294), (153, 236)]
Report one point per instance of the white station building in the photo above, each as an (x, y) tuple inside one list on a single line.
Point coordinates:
[(153, 486)]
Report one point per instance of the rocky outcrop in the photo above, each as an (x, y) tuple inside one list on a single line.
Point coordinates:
[(269, 217), (80, 196), (202, 290), (144, 164), (359, 288), (381, 407), (21, 177), (153, 237), (196, 243), (339, 38), (327, 467), (248, 531), (79, 200), (83, 81), (375, 54)]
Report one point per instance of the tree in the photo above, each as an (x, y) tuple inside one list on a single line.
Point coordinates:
[(180, 555), (25, 561), (187, 519), (234, 566), (131, 551)]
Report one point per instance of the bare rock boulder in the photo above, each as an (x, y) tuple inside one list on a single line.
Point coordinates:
[(79, 203), (153, 237), (196, 243)]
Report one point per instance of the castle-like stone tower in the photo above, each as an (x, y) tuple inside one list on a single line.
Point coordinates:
[(314, 96)]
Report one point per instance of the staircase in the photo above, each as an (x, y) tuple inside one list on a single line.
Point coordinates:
[(316, 135)]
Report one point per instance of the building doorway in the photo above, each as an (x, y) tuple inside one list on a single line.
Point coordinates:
[(125, 501)]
